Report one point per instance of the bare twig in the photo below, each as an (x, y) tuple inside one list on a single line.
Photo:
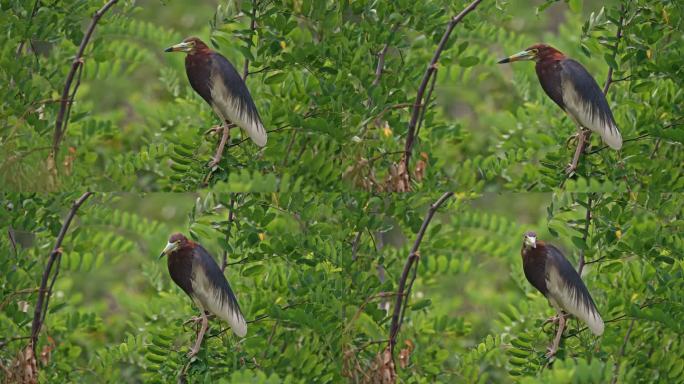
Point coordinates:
[(412, 258), (585, 235), (65, 105), (231, 217), (381, 55), (427, 102), (622, 351), (28, 26), (252, 26), (355, 244), (415, 114), (55, 255), (12, 239)]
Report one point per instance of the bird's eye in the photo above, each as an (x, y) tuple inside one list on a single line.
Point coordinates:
[(535, 50)]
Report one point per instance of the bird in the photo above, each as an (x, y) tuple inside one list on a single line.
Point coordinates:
[(217, 81), (575, 91), (552, 274), (194, 270)]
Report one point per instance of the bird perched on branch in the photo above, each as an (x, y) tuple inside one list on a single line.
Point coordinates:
[(194, 270), (552, 274), (214, 78), (570, 86)]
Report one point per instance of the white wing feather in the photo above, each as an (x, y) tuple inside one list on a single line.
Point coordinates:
[(211, 300), (581, 111), (563, 296), (224, 101)]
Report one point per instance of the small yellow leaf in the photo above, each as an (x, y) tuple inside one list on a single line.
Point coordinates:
[(262, 236), (649, 54), (283, 45), (618, 234), (387, 131)]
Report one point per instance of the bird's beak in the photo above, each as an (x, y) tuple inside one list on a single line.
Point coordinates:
[(524, 55), (532, 241), (170, 247), (180, 47)]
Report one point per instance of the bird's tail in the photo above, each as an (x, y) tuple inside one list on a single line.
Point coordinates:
[(592, 318), (611, 136)]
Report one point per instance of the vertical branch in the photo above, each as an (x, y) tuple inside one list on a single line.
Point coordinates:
[(585, 235), (65, 102), (55, 256), (412, 258), (621, 353), (231, 217), (252, 26), (410, 136), (381, 55)]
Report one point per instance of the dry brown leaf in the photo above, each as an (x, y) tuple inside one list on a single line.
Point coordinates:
[(405, 353)]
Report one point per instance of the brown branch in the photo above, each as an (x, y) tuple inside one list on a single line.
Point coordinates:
[(28, 26), (412, 258), (252, 26), (65, 105), (410, 137), (381, 55), (585, 235), (355, 244), (55, 255), (231, 217), (622, 351)]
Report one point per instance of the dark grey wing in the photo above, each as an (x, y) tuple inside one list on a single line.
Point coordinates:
[(231, 99), (550, 80), (568, 291), (585, 101), (211, 288)]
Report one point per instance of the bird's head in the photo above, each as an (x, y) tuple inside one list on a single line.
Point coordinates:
[(190, 45), (530, 240), (536, 52), (176, 242)]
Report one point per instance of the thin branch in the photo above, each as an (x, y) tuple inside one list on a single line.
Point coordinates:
[(55, 255), (622, 351), (28, 26), (381, 55), (61, 122), (355, 244), (585, 235), (252, 27), (412, 258), (410, 137), (231, 217), (427, 102), (12, 239)]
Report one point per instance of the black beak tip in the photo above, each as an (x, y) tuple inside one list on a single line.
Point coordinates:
[(169, 49), (162, 255), (504, 60)]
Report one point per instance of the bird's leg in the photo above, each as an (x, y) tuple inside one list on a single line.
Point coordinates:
[(200, 336), (581, 142), (222, 144), (556, 341)]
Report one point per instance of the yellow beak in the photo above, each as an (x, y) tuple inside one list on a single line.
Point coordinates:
[(524, 55), (180, 47), (170, 247)]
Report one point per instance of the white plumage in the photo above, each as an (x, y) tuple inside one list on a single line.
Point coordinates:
[(586, 116), (207, 297), (223, 100), (564, 296)]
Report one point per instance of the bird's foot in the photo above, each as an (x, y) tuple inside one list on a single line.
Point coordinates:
[(213, 130), (551, 351), (572, 139), (192, 352), (570, 169), (194, 319)]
